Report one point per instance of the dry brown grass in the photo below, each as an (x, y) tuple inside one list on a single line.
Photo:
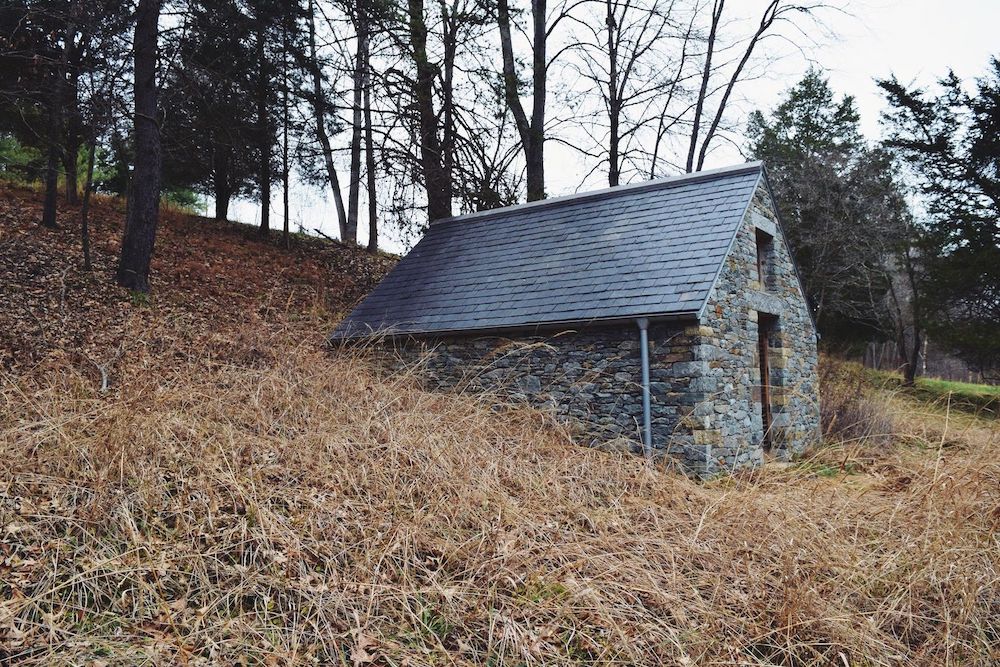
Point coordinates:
[(853, 410), (238, 496), (278, 506)]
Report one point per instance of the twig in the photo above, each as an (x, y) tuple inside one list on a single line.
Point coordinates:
[(104, 374), (328, 238), (103, 368)]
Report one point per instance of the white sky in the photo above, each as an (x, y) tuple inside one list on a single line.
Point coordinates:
[(917, 40)]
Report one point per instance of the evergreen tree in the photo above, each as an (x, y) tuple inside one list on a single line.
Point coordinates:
[(844, 214), (54, 55), (210, 135), (951, 141), (144, 192)]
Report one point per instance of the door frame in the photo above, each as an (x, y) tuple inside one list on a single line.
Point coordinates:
[(765, 326)]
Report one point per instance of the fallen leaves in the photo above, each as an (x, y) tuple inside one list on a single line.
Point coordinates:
[(210, 275)]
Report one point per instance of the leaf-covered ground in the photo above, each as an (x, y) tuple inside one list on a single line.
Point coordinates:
[(216, 276)]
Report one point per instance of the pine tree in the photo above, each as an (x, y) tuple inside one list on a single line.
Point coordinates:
[(844, 214), (951, 141)]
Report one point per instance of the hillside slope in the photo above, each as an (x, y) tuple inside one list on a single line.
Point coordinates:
[(240, 495), (217, 276)]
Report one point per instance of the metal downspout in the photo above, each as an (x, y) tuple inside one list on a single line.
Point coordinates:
[(647, 427)]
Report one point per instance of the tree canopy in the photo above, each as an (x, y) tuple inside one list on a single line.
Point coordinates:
[(950, 140), (844, 212)]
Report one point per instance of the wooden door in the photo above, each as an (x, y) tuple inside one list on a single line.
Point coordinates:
[(765, 382)]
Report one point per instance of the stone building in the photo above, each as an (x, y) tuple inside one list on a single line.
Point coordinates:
[(668, 314)]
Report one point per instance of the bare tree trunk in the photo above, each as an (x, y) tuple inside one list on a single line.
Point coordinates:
[(51, 200), (144, 201), (71, 103), (437, 180), (264, 129), (284, 135), (699, 108), (57, 98), (449, 39), (905, 317), (354, 188), (912, 359), (73, 140), (222, 189), (370, 155), (539, 75), (766, 21), (662, 125), (532, 132), (85, 208), (72, 174), (319, 112), (222, 206), (614, 101)]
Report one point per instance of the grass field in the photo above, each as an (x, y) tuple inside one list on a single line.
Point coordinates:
[(982, 399), (239, 495), (959, 388)]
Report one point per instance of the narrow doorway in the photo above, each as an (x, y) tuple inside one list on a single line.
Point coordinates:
[(763, 347)]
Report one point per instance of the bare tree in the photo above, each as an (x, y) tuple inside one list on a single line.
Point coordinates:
[(629, 58), (358, 76), (366, 101), (667, 119), (264, 125), (144, 192), (443, 56), (437, 178), (317, 100), (531, 129), (733, 72), (101, 110), (903, 317)]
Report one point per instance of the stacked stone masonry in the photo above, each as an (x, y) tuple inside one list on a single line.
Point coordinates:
[(704, 376)]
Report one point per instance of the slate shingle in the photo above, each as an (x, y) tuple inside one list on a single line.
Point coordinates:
[(652, 249)]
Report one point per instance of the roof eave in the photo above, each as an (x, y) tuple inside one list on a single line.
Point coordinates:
[(522, 329)]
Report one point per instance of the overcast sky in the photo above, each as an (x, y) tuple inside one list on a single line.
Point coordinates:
[(917, 40)]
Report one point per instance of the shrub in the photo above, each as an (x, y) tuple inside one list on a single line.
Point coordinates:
[(851, 411)]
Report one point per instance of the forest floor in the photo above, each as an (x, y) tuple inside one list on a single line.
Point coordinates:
[(194, 478)]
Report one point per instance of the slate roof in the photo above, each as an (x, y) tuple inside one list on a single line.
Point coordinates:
[(652, 249)]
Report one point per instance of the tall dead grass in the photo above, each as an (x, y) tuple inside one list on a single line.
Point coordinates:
[(274, 505), (852, 410)]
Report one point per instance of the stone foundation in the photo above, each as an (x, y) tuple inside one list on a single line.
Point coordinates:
[(591, 379)]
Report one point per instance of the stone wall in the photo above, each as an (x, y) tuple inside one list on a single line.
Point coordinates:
[(732, 431), (590, 377), (704, 377)]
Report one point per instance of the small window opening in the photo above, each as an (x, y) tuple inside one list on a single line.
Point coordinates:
[(764, 245)]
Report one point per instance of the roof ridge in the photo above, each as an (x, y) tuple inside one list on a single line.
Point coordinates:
[(654, 184)]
